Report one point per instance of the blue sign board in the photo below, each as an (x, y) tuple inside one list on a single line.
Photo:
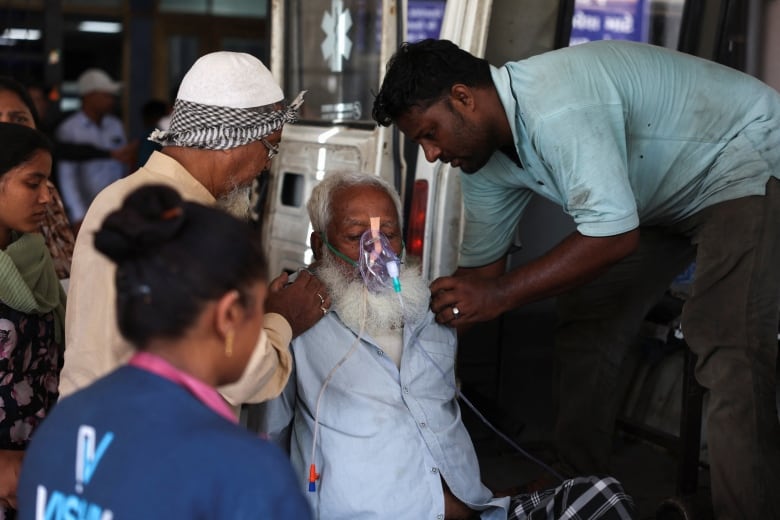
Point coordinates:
[(424, 19), (608, 20)]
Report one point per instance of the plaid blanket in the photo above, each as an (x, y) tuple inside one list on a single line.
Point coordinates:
[(582, 498)]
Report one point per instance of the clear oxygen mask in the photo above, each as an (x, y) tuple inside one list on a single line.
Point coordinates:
[(378, 263)]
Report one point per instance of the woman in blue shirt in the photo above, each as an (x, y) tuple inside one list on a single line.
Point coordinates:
[(154, 439)]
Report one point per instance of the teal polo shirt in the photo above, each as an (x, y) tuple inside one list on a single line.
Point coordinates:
[(621, 135)]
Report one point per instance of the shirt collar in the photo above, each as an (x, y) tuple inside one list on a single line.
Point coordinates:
[(200, 390)]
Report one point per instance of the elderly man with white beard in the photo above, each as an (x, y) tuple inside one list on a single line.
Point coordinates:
[(225, 129), (370, 414)]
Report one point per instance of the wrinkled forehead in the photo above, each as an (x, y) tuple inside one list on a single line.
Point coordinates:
[(357, 204)]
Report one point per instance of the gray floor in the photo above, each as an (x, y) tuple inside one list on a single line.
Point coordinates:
[(518, 400)]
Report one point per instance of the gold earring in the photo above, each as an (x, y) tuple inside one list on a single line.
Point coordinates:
[(229, 343)]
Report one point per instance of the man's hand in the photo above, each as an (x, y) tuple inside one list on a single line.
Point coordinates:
[(465, 299), (10, 466), (302, 302)]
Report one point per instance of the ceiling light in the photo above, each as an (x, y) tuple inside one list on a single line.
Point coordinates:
[(100, 27), (15, 33)]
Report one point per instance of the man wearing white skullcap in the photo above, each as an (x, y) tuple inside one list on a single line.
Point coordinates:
[(226, 125)]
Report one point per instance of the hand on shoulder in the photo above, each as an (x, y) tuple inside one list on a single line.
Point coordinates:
[(302, 302)]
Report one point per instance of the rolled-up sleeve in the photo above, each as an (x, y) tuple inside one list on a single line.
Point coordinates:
[(269, 366)]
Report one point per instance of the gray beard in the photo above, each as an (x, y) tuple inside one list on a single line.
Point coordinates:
[(237, 202), (378, 313)]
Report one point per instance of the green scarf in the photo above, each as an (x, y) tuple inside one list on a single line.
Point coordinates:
[(28, 281)]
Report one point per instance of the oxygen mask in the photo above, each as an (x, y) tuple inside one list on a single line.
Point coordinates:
[(378, 263)]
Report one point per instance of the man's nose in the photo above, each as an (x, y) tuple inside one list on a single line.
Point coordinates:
[(431, 152)]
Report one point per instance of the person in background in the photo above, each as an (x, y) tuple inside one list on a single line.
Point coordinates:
[(49, 118), (660, 158), (154, 439), (373, 397), (32, 301), (94, 124), (16, 106), (226, 126)]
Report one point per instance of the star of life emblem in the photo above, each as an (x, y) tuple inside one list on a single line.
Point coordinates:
[(337, 45)]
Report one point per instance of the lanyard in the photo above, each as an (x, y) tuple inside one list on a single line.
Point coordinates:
[(200, 390)]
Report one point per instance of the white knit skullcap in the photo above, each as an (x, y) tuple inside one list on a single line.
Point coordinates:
[(227, 99), (230, 79)]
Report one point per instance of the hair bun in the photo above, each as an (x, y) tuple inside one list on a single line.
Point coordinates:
[(149, 216)]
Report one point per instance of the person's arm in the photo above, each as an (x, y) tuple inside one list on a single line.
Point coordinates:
[(86, 152), (10, 466), (93, 344), (268, 368), (483, 293), (79, 152), (291, 308)]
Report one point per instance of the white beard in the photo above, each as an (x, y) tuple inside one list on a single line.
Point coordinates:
[(379, 313), (237, 202)]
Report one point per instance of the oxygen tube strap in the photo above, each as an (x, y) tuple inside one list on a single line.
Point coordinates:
[(336, 251)]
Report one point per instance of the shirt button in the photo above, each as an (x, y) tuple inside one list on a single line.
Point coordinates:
[(439, 517), (434, 470), (406, 389), (422, 425), (380, 352)]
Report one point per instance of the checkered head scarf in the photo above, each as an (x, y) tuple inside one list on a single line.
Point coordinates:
[(227, 99)]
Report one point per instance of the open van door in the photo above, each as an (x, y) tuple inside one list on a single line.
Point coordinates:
[(337, 50)]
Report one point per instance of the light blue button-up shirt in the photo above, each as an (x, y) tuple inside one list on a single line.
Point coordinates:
[(386, 436), (621, 134)]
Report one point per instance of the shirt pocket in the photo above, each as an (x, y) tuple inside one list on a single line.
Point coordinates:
[(434, 369)]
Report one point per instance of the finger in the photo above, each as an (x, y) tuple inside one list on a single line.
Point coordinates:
[(445, 318), (456, 312), (301, 279), (445, 283), (442, 301), (278, 282)]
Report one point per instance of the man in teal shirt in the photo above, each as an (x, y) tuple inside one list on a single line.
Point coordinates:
[(660, 158)]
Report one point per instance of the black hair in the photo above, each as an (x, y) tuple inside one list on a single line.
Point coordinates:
[(19, 144), (173, 257), (421, 73), (8, 83)]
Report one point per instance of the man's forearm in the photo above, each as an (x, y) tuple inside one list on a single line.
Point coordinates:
[(575, 261)]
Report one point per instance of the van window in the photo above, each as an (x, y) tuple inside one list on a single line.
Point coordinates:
[(333, 51)]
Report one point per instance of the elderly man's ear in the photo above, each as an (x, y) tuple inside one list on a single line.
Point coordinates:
[(316, 245)]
